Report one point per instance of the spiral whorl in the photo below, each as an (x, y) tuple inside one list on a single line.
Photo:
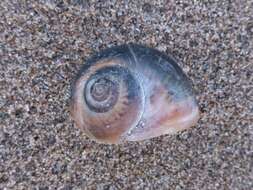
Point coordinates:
[(131, 93)]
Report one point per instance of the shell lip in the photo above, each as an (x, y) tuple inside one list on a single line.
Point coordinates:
[(181, 116)]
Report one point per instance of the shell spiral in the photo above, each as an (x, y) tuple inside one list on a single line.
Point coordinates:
[(131, 93)]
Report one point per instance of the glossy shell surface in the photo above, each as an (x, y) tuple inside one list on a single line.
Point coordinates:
[(131, 93)]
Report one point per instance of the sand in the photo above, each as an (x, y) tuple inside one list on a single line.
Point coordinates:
[(44, 43)]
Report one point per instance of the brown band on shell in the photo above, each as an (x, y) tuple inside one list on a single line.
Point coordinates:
[(108, 125)]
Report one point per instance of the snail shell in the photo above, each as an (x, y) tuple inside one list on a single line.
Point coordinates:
[(131, 93)]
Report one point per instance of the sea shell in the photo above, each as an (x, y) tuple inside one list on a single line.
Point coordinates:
[(131, 93)]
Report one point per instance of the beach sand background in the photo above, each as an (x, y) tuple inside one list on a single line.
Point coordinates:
[(43, 44)]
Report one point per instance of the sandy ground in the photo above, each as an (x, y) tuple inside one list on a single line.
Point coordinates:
[(44, 43)]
